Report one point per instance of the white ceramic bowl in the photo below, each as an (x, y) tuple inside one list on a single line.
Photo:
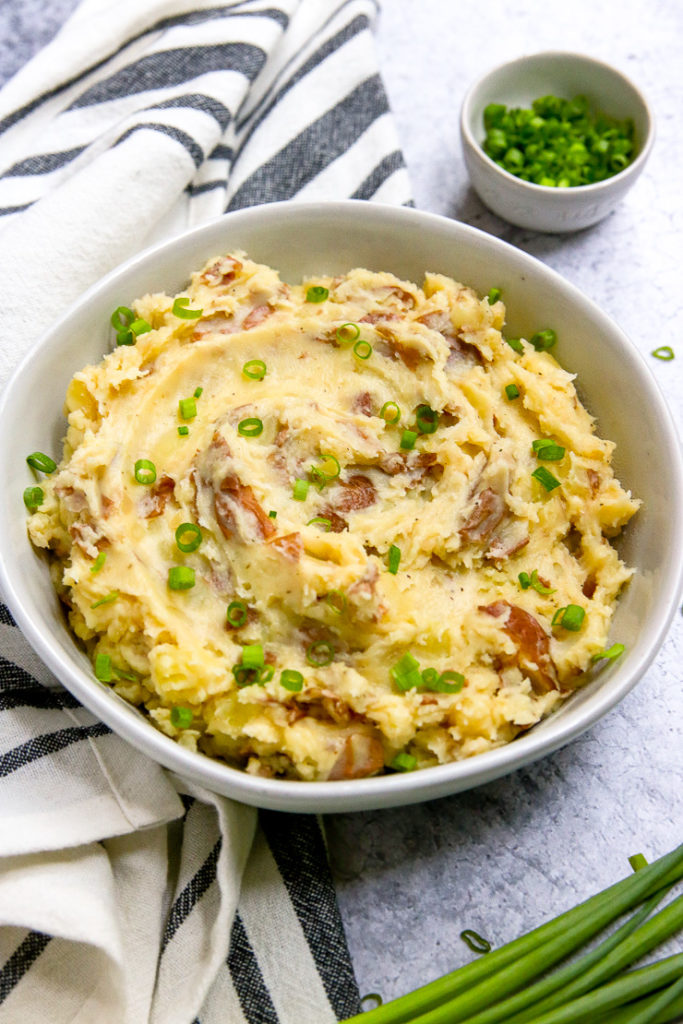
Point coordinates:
[(517, 84), (332, 238)]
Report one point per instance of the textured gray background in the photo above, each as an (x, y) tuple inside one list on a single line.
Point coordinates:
[(509, 855)]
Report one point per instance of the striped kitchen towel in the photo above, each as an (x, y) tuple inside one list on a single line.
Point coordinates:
[(128, 896)]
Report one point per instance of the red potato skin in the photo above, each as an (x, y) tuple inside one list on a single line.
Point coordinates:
[(533, 644)]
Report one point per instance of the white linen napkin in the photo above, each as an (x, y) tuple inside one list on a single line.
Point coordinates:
[(126, 895)]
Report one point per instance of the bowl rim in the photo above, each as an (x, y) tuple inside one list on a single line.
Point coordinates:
[(379, 791), (563, 195)]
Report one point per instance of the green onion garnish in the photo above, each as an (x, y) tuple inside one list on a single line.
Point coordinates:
[(255, 369), (430, 677), (140, 326), (125, 338), (516, 344), (638, 861), (494, 295), (427, 419), (347, 333), (33, 498), (571, 617), (122, 318), (272, 514), (320, 521), (390, 412), (512, 392), (664, 352), (328, 469), (127, 326), (243, 676), (107, 599), (145, 471), (611, 654), (183, 431), (408, 439), (180, 577), (300, 490), (362, 349), (320, 653), (265, 674), (291, 680), (337, 601), (316, 293), (476, 942), (198, 392), (252, 656), (129, 676), (543, 340), (188, 537), (524, 580), (98, 563), (539, 587), (394, 559), (42, 462), (187, 407), (180, 309), (449, 682), (548, 450), (103, 668), (251, 427), (406, 672), (237, 614), (404, 762), (181, 717), (546, 478)]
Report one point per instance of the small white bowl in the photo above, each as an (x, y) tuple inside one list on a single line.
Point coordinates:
[(331, 238), (518, 84)]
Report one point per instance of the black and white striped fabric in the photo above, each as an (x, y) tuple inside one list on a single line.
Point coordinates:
[(128, 896)]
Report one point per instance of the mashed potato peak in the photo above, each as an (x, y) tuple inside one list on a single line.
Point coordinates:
[(330, 665)]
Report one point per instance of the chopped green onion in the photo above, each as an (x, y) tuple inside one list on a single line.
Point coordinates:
[(252, 656), (183, 431), (494, 295), (128, 676), (188, 537), (390, 412), (427, 419), (406, 673), (237, 614), (103, 668), (539, 587), (125, 338), (430, 678), (336, 601), (394, 559), (543, 340), (243, 676), (512, 392), (251, 427), (476, 942), (524, 580), (664, 352), (362, 349), (33, 498), (291, 680), (320, 653), (198, 392), (122, 318), (107, 599), (316, 293), (145, 471), (140, 326), (255, 369), (638, 861), (570, 617), (265, 674), (546, 478), (611, 655), (347, 333), (548, 450), (516, 344), (181, 717), (272, 514), (404, 762), (180, 309), (408, 439), (42, 462), (180, 577), (300, 490), (449, 682), (320, 521), (98, 563), (187, 407), (328, 469)]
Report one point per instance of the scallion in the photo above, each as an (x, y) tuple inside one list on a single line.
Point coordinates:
[(512, 392), (237, 613), (183, 431), (107, 599), (253, 656), (98, 563), (336, 601), (198, 392), (145, 472), (181, 717), (570, 617), (181, 577), (180, 309), (611, 654), (188, 537), (316, 293), (347, 333), (362, 349), (546, 478), (516, 344), (322, 521), (539, 587), (254, 369), (33, 498), (300, 490), (394, 559), (408, 439), (543, 340), (547, 449), (103, 670), (476, 942), (524, 580), (390, 413), (494, 295), (449, 682), (140, 326), (320, 653), (328, 469), (187, 407), (272, 514), (406, 673), (122, 318), (291, 680), (252, 426), (41, 462), (664, 352), (404, 762), (427, 419)]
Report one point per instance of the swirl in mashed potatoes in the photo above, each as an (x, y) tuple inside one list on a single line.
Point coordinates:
[(455, 650)]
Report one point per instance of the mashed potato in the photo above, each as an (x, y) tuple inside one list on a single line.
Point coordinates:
[(310, 531)]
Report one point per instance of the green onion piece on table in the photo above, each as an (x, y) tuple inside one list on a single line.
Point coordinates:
[(291, 680), (512, 392), (408, 439), (362, 349), (180, 309), (254, 369), (316, 293), (107, 599), (188, 537), (476, 942), (664, 352), (181, 577), (181, 717), (237, 613), (390, 413), (33, 498), (98, 563), (41, 462), (427, 419), (103, 668), (320, 653), (347, 333), (145, 472), (638, 861), (404, 762), (251, 427), (394, 559), (187, 407), (546, 478)]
